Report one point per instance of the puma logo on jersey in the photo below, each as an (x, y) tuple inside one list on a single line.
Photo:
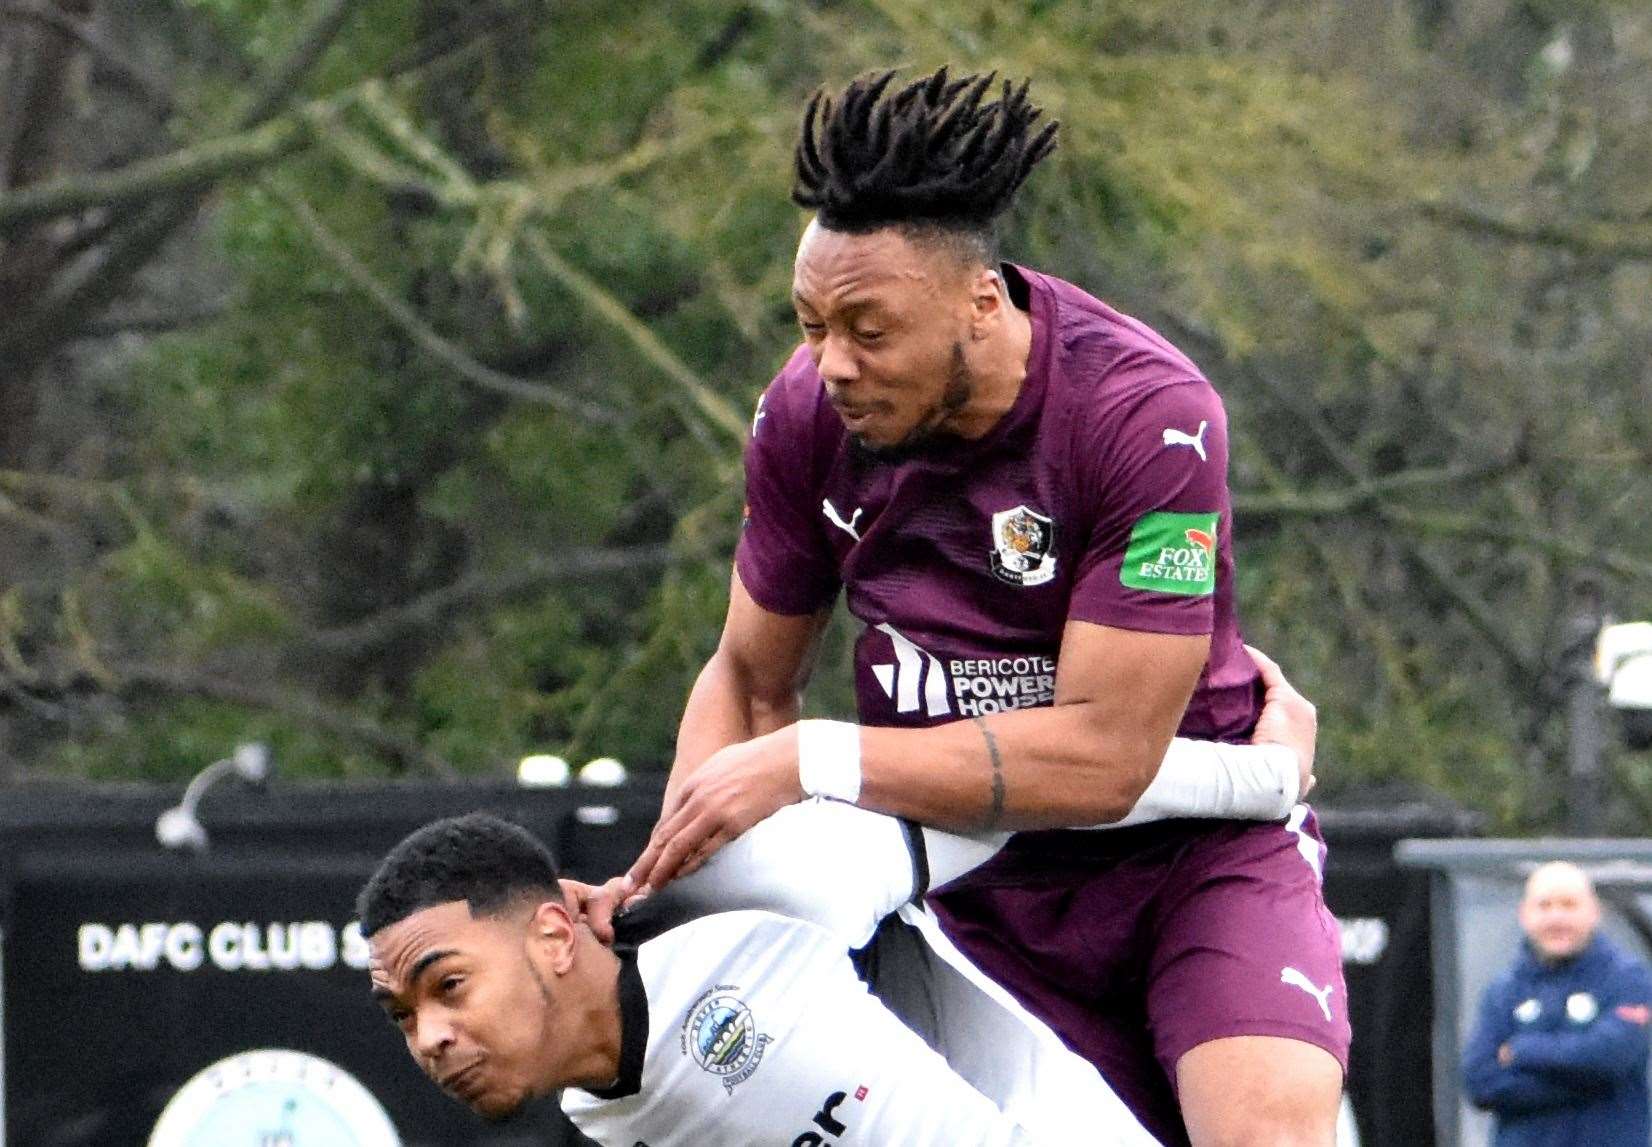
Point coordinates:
[(1307, 846), (1297, 980), (1174, 437), (837, 519)]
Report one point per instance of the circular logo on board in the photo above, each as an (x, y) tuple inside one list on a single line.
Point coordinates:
[(272, 1098)]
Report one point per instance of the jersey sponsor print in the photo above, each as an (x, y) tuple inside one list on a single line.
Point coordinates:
[(963, 686), (826, 1121), (1172, 553)]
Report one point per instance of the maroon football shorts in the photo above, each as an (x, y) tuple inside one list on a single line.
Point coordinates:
[(1138, 944)]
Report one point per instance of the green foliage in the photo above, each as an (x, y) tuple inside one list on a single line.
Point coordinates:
[(1262, 181)]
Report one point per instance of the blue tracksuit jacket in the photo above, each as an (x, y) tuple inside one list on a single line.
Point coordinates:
[(1578, 1032)]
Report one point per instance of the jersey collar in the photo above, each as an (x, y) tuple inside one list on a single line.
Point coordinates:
[(633, 1003)]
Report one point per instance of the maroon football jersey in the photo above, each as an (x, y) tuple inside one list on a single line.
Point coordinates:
[(1101, 496)]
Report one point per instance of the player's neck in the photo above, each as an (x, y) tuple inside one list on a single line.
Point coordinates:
[(998, 370), (591, 1028)]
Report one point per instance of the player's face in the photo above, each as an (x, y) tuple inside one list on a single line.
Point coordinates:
[(886, 321), (1559, 913), (470, 1001)]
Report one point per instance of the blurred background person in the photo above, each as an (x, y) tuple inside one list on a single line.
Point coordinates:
[(1559, 1051)]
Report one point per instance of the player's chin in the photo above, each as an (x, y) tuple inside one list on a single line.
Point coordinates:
[(887, 442), (870, 431), (499, 1112), (496, 1107)]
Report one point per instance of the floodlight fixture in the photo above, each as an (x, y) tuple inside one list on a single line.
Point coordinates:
[(542, 771), (603, 773), (1623, 663), (178, 828)]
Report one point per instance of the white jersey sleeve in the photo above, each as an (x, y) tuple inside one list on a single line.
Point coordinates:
[(760, 1035)]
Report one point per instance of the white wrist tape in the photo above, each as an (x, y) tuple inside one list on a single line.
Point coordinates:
[(1210, 779), (828, 759)]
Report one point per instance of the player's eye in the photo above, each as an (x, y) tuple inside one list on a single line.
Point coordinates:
[(868, 336), (812, 328), (450, 984)]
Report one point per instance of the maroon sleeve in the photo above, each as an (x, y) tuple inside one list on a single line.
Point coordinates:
[(1160, 536), (783, 558)]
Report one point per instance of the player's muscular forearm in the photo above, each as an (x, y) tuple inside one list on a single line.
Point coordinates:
[(723, 709), (752, 684), (996, 787), (1085, 760), (1031, 768)]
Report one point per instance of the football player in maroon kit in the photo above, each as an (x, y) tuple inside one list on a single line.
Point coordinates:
[(1023, 495)]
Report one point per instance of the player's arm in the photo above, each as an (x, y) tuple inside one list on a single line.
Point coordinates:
[(1084, 760), (1492, 1083), (1260, 781), (752, 684), (1087, 759), (1611, 1048), (846, 868)]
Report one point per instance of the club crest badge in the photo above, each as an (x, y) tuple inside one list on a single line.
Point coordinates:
[(721, 1035), (1023, 547), (1581, 1008)]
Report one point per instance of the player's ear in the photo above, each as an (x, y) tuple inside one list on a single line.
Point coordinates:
[(552, 931), (986, 301)]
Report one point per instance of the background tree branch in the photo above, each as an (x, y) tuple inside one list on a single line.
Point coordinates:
[(1474, 608), (119, 66), (486, 590), (1594, 238), (130, 679)]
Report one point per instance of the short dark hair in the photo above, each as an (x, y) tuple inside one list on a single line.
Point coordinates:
[(929, 156), (487, 862)]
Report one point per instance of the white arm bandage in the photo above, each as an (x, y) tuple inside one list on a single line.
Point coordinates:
[(1196, 779), (828, 759), (1210, 779), (845, 868)]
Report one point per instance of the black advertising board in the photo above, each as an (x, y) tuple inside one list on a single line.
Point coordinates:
[(128, 971), (1383, 910), (132, 976)]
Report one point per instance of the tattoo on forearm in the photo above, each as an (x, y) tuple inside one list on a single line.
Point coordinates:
[(996, 812)]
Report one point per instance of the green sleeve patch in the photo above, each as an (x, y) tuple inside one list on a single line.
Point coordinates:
[(1172, 553)]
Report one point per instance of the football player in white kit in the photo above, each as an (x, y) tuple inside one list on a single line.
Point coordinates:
[(729, 1012)]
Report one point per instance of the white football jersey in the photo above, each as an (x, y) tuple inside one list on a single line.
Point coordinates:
[(759, 1032), (760, 1035)]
